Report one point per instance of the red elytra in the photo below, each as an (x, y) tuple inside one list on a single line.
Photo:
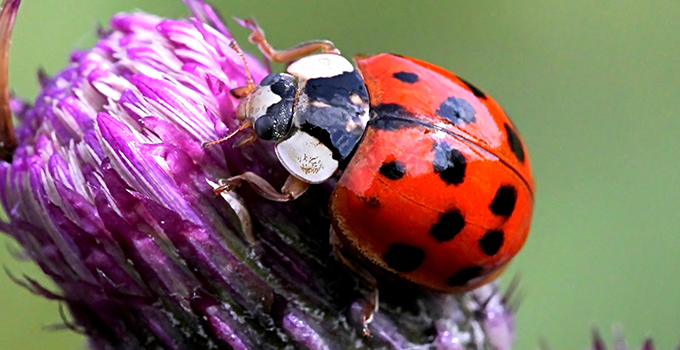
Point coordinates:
[(439, 191)]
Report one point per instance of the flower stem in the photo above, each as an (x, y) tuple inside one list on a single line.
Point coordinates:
[(8, 141)]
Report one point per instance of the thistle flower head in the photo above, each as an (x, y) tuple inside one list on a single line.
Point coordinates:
[(110, 192)]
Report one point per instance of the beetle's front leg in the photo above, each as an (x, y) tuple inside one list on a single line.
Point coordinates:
[(282, 56), (291, 190)]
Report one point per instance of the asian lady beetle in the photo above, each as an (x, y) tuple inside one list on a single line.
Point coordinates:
[(439, 190), (436, 187)]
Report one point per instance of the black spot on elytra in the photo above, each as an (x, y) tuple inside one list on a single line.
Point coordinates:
[(390, 117), (389, 109), (462, 277), (504, 201), (394, 170), (449, 225), (492, 242), (404, 257), (515, 143), (406, 77), (449, 163), (476, 91), (457, 110)]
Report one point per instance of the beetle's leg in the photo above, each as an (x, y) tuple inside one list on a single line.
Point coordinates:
[(257, 37), (239, 208), (370, 305), (249, 137), (292, 189)]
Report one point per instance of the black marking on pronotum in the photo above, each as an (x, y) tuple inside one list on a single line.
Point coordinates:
[(457, 110), (323, 136), (393, 170), (477, 92), (335, 111), (449, 163), (462, 277), (336, 90), (515, 143), (449, 225), (406, 77), (404, 257), (491, 242), (503, 203)]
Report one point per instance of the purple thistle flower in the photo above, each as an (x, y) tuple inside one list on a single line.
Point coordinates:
[(110, 192)]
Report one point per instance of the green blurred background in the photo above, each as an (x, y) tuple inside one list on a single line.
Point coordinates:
[(593, 85)]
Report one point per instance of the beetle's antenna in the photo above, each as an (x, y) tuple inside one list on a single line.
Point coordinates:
[(251, 85), (214, 142)]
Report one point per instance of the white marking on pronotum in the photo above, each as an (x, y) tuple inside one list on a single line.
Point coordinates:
[(323, 65), (306, 158), (363, 120), (365, 117)]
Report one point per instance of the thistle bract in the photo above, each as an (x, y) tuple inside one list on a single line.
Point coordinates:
[(110, 192)]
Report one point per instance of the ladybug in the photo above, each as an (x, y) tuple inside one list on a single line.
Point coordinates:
[(435, 186), (440, 190)]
